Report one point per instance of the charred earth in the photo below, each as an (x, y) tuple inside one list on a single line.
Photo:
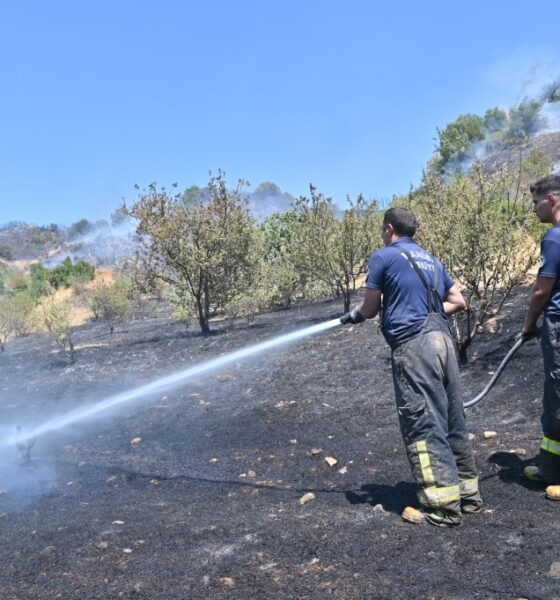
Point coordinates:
[(195, 493)]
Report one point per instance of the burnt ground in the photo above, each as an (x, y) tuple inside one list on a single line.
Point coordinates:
[(205, 503)]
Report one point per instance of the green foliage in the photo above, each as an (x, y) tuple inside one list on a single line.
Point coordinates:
[(494, 120), (203, 250), (182, 307), (282, 278), (15, 281), (39, 284), (247, 305), (62, 275), (481, 225), (456, 140), (335, 251), (524, 119), (54, 320), (15, 312), (191, 194), (113, 301), (495, 130), (78, 228)]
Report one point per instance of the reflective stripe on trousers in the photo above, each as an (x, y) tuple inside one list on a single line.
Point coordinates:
[(549, 456), (432, 420), (551, 446)]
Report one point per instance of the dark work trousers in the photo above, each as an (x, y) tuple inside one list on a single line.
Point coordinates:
[(432, 420), (549, 457)]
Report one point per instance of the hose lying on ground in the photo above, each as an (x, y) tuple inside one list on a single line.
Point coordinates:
[(498, 372)]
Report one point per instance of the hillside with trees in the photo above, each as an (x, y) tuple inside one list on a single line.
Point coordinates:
[(223, 252)]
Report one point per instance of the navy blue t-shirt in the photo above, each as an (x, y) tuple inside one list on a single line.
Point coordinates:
[(405, 298), (550, 267)]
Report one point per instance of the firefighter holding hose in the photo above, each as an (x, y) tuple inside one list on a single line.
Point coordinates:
[(545, 298), (415, 295)]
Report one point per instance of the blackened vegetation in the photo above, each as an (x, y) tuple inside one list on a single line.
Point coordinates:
[(194, 494)]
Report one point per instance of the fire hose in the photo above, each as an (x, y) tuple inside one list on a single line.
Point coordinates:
[(498, 372)]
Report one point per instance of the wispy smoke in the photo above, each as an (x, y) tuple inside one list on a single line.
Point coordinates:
[(102, 245), (523, 74)]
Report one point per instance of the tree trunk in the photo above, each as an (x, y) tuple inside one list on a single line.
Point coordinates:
[(463, 347), (346, 301), (202, 316)]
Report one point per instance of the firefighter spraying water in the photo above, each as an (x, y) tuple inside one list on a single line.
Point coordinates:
[(417, 295)]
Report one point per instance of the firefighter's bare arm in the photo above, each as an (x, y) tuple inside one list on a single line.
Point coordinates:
[(542, 288), (367, 309), (371, 304), (453, 301)]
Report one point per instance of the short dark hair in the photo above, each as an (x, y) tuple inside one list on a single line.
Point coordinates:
[(403, 221), (550, 183)]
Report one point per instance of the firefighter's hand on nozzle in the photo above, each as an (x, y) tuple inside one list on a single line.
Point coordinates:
[(354, 317)]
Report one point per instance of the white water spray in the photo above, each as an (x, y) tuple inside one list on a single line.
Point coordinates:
[(162, 384)]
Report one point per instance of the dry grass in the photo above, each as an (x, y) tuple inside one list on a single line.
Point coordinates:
[(80, 314)]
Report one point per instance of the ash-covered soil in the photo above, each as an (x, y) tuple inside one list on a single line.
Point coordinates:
[(194, 493)]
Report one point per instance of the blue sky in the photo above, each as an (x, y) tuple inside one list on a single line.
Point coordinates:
[(97, 96)]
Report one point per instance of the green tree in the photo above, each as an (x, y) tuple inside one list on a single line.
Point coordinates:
[(524, 119), (482, 227), (78, 229), (205, 251), (495, 120), (63, 274), (456, 140), (335, 251), (281, 276)]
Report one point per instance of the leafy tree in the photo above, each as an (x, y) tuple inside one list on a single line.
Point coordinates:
[(203, 250), (456, 140), (283, 279), (192, 194), (495, 119), (524, 119), (481, 225), (78, 229), (335, 251), (39, 285), (63, 274)]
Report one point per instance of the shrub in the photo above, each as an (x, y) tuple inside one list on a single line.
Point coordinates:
[(112, 302), (15, 312), (54, 319)]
